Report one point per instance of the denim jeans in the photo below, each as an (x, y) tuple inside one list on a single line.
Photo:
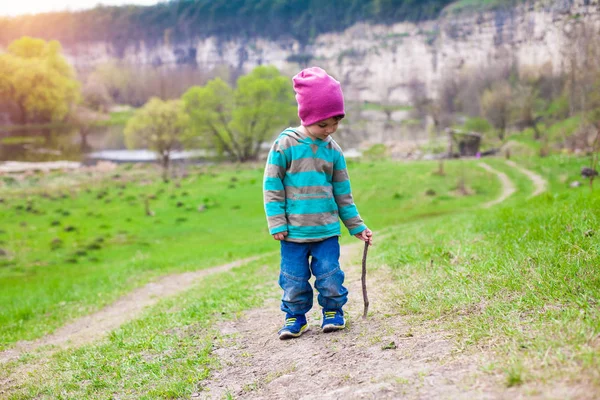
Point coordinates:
[(296, 269)]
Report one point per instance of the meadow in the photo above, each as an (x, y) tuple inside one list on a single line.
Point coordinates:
[(520, 278)]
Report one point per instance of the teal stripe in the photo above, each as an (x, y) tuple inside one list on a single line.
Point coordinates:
[(314, 232), (306, 151), (311, 178), (275, 208), (341, 164), (277, 229), (310, 206), (272, 184), (340, 188), (358, 229), (277, 159), (348, 212)]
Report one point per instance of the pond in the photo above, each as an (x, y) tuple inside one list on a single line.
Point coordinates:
[(65, 144), (54, 144)]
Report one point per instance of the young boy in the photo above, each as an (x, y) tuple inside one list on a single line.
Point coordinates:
[(306, 193)]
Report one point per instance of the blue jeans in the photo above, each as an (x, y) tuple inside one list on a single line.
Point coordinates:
[(296, 271)]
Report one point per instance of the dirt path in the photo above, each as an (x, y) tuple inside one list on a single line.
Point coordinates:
[(539, 183), (382, 357), (96, 325), (508, 188)]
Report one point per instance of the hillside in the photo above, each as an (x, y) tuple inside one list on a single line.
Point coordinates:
[(182, 21), (380, 50)]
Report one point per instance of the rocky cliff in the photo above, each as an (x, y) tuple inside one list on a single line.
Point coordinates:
[(378, 62)]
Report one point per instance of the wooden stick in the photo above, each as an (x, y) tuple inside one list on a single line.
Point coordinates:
[(364, 281)]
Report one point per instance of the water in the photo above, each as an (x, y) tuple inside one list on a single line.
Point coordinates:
[(107, 143), (120, 156), (41, 145)]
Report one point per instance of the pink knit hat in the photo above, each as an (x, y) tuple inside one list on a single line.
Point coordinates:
[(319, 96)]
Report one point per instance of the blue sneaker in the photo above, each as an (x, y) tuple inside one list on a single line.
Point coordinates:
[(295, 325), (333, 320)]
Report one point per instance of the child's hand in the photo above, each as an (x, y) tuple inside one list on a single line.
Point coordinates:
[(366, 236), (280, 235)]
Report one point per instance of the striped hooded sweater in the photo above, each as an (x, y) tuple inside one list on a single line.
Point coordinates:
[(307, 189)]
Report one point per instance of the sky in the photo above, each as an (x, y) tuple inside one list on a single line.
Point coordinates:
[(18, 7)]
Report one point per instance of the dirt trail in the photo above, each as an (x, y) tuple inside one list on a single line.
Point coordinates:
[(539, 183), (382, 357), (508, 188), (96, 325)]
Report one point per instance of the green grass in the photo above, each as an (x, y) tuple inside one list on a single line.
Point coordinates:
[(22, 140), (72, 250), (519, 279), (553, 136), (164, 354), (117, 118)]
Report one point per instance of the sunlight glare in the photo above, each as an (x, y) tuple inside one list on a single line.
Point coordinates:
[(13, 8)]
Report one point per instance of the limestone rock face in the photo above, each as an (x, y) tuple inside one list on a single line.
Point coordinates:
[(378, 62)]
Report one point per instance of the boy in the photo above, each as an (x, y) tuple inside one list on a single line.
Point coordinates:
[(306, 193)]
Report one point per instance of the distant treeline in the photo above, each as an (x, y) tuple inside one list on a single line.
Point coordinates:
[(182, 20)]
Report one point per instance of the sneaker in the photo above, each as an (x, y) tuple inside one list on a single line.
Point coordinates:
[(333, 320), (295, 325)]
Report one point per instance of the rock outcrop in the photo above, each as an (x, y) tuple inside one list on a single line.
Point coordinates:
[(379, 62)]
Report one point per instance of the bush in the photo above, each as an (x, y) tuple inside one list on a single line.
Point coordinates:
[(558, 109), (477, 124)]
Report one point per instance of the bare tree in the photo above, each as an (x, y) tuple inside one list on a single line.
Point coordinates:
[(495, 106)]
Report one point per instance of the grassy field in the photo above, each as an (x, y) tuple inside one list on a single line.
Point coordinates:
[(74, 247), (520, 278)]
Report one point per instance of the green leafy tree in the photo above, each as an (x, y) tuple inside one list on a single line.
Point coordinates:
[(237, 121), (160, 126), (38, 80)]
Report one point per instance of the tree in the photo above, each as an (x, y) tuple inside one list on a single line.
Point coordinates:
[(238, 121), (526, 106), (495, 106), (38, 80), (96, 96), (160, 126)]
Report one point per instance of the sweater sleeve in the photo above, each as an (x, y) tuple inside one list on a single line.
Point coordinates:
[(273, 190), (343, 197)]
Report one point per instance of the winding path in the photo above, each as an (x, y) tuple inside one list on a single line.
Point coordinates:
[(508, 188), (539, 183)]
